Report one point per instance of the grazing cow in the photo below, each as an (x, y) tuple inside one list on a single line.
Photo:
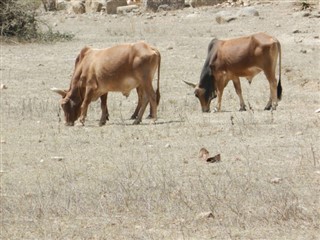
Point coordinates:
[(240, 57), (116, 69)]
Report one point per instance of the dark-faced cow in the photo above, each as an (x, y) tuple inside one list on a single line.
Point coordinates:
[(240, 57), (116, 69)]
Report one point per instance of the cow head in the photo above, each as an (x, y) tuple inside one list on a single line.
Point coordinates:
[(71, 106), (205, 97)]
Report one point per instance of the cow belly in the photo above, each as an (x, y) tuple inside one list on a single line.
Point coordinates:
[(248, 73), (124, 86)]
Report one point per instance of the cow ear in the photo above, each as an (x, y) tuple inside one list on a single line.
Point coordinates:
[(61, 92), (64, 101), (190, 84), (199, 91)]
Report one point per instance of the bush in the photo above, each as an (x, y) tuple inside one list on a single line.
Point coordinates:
[(18, 19), (15, 21)]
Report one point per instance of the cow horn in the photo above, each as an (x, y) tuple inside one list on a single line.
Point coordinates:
[(190, 84), (61, 92)]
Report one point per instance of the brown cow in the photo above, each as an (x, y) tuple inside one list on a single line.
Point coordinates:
[(240, 57), (116, 69)]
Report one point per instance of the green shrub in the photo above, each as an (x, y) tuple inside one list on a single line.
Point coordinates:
[(19, 19)]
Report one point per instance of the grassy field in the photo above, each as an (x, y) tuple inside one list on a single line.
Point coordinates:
[(123, 181)]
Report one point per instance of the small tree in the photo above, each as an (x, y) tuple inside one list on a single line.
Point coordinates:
[(15, 20), (18, 19)]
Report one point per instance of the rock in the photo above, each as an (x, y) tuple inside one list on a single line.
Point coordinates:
[(276, 180), (94, 5), (225, 17), (164, 7), (153, 5), (126, 9), (78, 6), (317, 111), (199, 3), (50, 5), (248, 11), (204, 215), (57, 158), (315, 16), (306, 14), (216, 158), (3, 86), (191, 16), (203, 154), (246, 3), (112, 5), (61, 5)]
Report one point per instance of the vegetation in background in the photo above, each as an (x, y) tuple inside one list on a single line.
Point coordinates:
[(19, 19)]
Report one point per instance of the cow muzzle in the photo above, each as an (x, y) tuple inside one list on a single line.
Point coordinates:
[(70, 124), (205, 109)]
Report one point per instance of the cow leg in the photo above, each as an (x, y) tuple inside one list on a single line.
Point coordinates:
[(149, 95), (144, 103), (273, 99), (221, 84), (152, 97), (136, 111), (237, 86), (104, 108), (85, 104), (135, 114), (219, 96)]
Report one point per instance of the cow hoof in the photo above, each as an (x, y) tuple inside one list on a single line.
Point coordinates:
[(136, 122), (242, 109), (133, 117), (153, 121), (102, 124), (103, 121), (150, 116), (267, 108), (215, 109)]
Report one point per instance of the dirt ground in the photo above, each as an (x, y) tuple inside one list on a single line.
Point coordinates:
[(123, 181)]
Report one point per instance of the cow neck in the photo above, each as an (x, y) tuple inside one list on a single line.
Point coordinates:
[(206, 79), (76, 93)]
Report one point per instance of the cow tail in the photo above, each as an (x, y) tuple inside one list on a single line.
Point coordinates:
[(279, 88), (158, 81)]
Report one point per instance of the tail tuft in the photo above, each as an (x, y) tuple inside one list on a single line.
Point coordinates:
[(158, 96), (279, 90)]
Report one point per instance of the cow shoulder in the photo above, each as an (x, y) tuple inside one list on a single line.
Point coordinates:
[(81, 55)]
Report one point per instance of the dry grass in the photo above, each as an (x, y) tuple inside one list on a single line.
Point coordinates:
[(146, 182)]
